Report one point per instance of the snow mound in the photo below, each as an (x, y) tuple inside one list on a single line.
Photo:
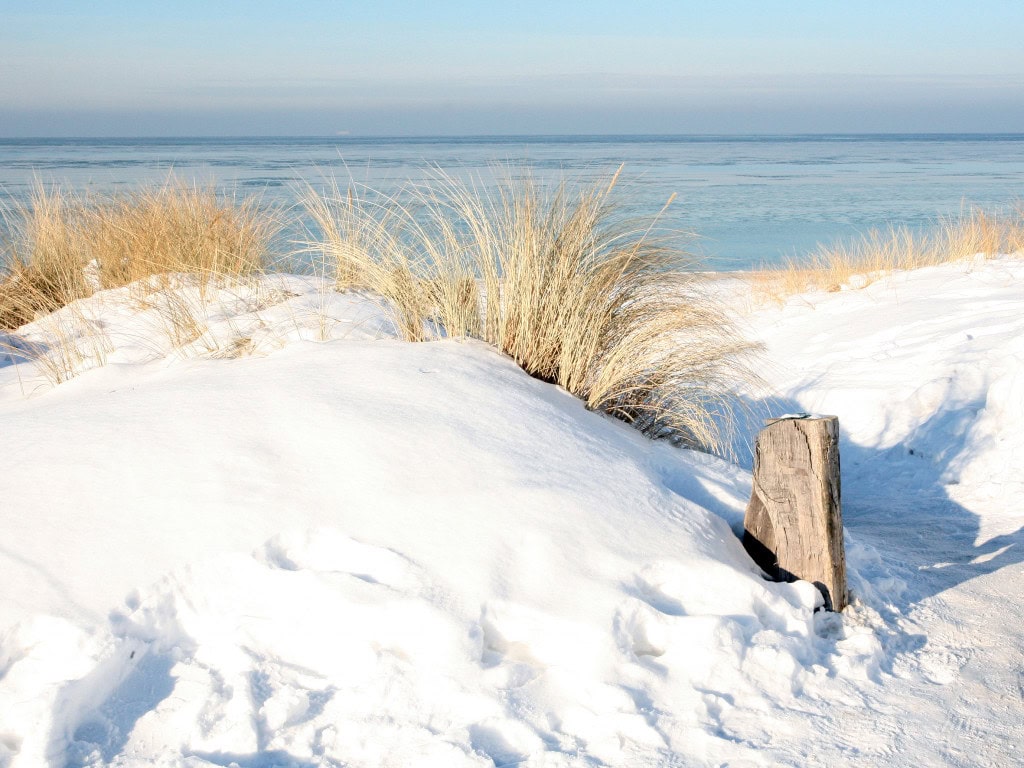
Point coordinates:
[(340, 549)]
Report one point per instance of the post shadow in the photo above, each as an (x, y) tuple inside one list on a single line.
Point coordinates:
[(897, 501)]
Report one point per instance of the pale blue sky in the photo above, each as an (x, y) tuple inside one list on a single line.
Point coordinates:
[(399, 68)]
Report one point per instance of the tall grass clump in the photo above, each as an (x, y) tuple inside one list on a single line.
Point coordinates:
[(41, 261), (176, 228), (59, 247), (857, 263), (555, 279)]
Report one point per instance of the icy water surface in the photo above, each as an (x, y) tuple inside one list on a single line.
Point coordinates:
[(751, 199)]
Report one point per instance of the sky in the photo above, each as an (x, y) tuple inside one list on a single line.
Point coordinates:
[(378, 67)]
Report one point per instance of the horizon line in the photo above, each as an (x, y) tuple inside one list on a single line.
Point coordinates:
[(511, 136)]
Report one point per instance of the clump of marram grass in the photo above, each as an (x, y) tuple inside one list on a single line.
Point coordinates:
[(982, 232), (60, 247), (554, 279), (857, 263), (41, 267), (172, 243), (174, 229)]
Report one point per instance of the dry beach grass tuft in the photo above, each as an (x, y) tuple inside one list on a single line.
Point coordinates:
[(860, 262), (553, 278), (61, 246)]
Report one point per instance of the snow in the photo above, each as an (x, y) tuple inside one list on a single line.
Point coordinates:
[(299, 541)]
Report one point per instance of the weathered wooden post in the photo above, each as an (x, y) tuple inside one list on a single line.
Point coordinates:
[(793, 527)]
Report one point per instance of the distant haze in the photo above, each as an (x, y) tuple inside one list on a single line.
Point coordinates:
[(388, 68)]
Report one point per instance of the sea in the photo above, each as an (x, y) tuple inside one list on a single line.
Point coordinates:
[(737, 202)]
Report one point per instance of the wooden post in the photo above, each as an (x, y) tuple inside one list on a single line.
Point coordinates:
[(793, 526)]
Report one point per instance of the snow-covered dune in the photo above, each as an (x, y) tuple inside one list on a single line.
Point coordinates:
[(341, 549)]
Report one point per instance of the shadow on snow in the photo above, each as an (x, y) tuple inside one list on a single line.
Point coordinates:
[(897, 501)]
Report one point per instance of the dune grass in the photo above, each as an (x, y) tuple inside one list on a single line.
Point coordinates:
[(60, 247), (551, 275), (860, 262), (553, 278)]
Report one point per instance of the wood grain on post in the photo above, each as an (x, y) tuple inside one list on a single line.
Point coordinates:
[(793, 526)]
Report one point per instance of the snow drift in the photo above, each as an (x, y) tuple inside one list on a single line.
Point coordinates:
[(341, 549)]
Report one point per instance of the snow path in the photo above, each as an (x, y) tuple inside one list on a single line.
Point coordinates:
[(932, 481), (369, 553)]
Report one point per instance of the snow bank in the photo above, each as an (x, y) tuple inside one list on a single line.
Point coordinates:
[(296, 541), (453, 562)]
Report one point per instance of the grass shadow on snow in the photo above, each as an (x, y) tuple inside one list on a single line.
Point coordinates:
[(14, 349), (896, 500), (58, 587)]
